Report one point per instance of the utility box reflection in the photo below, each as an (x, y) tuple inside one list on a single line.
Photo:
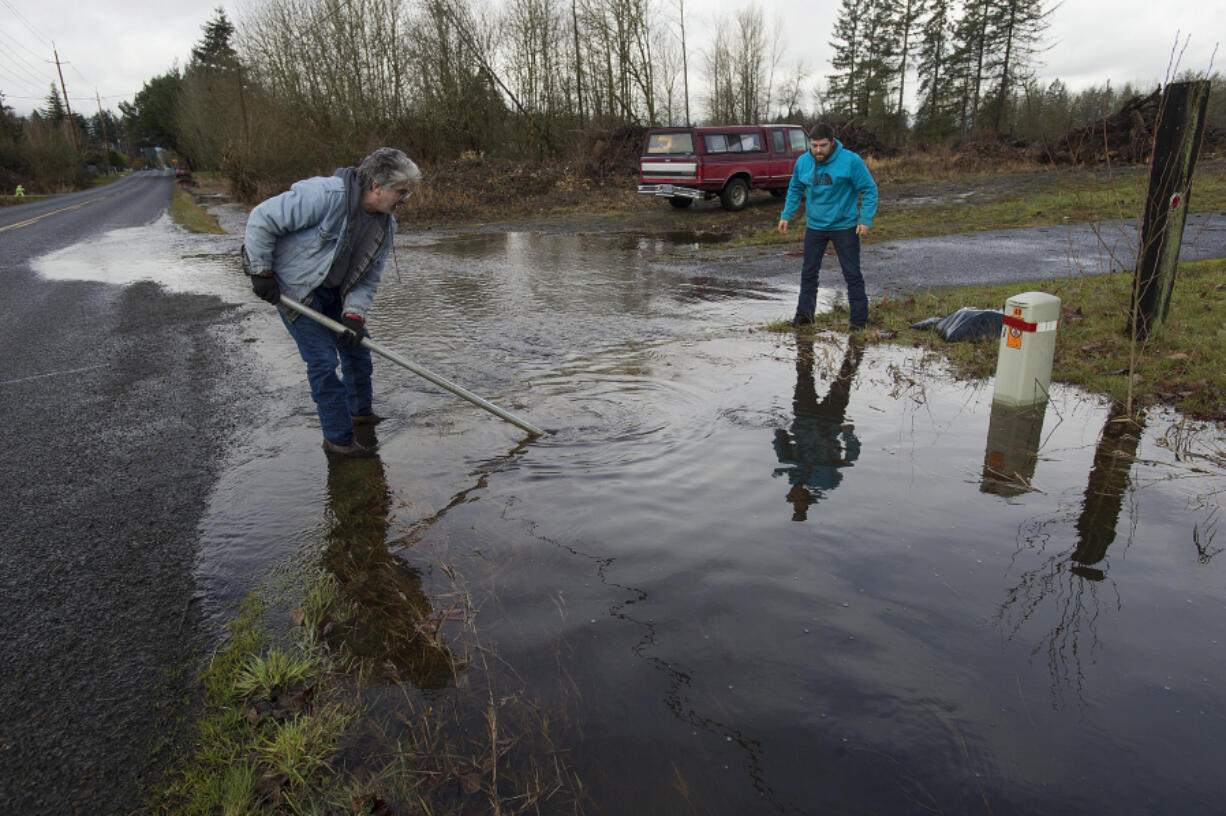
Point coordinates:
[(1014, 435)]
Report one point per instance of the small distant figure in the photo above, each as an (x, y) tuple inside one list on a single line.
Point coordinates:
[(20, 193)]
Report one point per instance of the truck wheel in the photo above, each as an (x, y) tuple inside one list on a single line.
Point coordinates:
[(735, 195), (680, 202)]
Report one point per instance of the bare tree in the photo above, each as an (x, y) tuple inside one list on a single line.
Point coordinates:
[(791, 90), (721, 80), (749, 70)]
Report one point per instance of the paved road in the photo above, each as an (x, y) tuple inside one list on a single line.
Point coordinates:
[(114, 413), (1001, 256), (982, 258)]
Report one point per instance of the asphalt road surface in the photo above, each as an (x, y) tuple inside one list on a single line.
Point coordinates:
[(114, 410)]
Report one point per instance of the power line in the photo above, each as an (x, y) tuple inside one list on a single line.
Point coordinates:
[(46, 40), (21, 72), (76, 98), (19, 44)]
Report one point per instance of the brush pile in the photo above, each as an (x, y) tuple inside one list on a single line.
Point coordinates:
[(858, 138), (1126, 136)]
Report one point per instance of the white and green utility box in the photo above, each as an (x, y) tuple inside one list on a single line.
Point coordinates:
[(1027, 346)]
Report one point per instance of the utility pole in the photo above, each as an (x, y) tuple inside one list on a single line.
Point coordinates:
[(106, 137), (1180, 127), (242, 106), (72, 126), (685, 63)]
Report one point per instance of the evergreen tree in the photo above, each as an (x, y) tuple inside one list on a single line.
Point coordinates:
[(866, 59), (1013, 30), (933, 118), (968, 64), (910, 13), (54, 112), (210, 113), (880, 64), (10, 124), (214, 52), (843, 91), (151, 114)]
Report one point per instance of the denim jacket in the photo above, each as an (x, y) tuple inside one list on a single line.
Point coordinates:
[(297, 234)]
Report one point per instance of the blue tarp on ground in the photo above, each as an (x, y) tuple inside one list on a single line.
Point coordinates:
[(965, 324)]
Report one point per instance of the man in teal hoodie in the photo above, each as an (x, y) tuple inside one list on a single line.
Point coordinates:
[(840, 202)]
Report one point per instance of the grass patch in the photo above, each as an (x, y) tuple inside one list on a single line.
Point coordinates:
[(347, 717), (1181, 367), (920, 206), (103, 179), (13, 201), (273, 716), (191, 216), (1051, 198)]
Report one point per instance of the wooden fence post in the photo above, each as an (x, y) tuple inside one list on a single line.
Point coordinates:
[(1181, 124)]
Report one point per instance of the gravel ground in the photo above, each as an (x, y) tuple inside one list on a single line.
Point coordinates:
[(118, 405)]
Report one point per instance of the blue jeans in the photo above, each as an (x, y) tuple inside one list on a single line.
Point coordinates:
[(847, 248), (337, 399)]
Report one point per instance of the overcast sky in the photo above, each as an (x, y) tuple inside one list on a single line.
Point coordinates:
[(110, 48)]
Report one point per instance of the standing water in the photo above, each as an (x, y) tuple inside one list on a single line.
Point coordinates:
[(748, 572)]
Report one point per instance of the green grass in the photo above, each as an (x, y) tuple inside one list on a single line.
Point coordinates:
[(1036, 198), (253, 753), (1182, 366), (1068, 198), (470, 750), (185, 212), (103, 179), (13, 201)]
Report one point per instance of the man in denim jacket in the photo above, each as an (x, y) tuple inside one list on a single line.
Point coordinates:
[(840, 202), (324, 243)]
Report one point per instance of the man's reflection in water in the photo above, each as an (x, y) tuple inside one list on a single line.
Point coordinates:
[(819, 443), (384, 612)]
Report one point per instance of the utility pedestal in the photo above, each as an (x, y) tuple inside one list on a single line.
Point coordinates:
[(1027, 346)]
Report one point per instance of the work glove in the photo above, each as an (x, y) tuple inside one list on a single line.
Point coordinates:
[(265, 287), (355, 329)]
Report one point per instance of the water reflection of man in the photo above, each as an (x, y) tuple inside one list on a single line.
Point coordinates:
[(819, 443), (384, 604)]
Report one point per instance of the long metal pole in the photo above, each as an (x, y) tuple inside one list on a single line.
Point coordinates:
[(458, 390)]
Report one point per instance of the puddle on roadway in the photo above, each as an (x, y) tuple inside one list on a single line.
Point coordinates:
[(747, 575)]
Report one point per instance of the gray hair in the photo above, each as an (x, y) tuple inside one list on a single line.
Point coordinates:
[(387, 167)]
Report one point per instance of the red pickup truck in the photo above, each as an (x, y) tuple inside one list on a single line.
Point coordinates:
[(684, 164)]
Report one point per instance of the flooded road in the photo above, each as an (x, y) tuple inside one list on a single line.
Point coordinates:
[(748, 572)]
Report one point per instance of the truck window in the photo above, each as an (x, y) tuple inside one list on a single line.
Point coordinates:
[(733, 142), (664, 144), (779, 142), (800, 142)]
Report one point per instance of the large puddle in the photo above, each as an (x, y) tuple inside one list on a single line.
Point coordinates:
[(748, 573)]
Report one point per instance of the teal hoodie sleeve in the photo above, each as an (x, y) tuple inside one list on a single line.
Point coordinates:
[(862, 182), (796, 187)]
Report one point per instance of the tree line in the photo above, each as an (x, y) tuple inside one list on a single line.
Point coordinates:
[(298, 83), (57, 148)]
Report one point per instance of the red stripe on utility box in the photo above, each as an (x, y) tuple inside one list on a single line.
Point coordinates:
[(1017, 323)]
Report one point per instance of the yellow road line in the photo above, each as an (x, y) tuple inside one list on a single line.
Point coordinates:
[(36, 218)]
